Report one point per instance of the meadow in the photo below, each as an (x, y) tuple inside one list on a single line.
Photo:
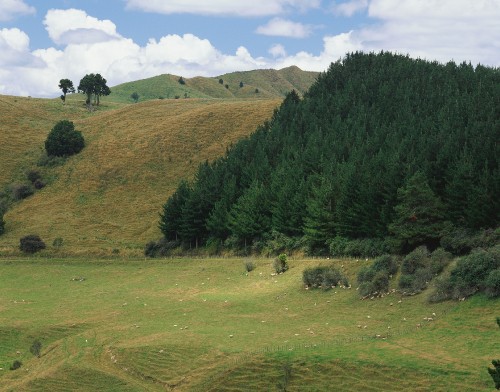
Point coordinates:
[(208, 325)]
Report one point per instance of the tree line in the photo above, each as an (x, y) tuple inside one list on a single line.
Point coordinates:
[(381, 147)]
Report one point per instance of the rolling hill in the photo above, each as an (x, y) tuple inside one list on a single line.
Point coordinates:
[(270, 83), (108, 197)]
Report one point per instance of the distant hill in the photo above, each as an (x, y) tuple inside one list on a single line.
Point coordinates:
[(262, 84)]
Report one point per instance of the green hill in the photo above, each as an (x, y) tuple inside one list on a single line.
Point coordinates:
[(269, 83)]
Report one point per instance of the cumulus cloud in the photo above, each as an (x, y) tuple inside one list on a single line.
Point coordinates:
[(222, 7), (284, 28), (277, 50), (433, 29), (11, 8), (74, 26), (349, 8), (442, 30)]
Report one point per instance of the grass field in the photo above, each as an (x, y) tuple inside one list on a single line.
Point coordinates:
[(206, 325)]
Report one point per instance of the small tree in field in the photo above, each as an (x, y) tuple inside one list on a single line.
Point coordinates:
[(135, 96), (63, 140), (66, 86)]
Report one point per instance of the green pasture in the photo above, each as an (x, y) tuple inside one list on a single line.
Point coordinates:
[(207, 325)]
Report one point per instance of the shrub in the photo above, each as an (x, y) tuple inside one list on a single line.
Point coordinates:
[(374, 280), (493, 284), (417, 259), (33, 175), (460, 241), (439, 260), (324, 277), (58, 242), (36, 348), (21, 191), (249, 265), (50, 161), (16, 365), (39, 184), (280, 263), (182, 81), (31, 244), (64, 140), (386, 263), (470, 275)]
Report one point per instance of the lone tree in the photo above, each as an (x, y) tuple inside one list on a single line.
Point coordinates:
[(93, 86), (64, 140), (66, 86), (135, 96), (181, 80)]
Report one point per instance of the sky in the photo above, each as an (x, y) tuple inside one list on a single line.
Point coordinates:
[(44, 41)]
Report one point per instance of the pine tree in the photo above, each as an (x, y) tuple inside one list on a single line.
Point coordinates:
[(419, 215)]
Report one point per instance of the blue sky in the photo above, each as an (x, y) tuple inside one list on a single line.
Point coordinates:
[(44, 41)]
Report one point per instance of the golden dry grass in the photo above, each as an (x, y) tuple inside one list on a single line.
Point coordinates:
[(109, 196)]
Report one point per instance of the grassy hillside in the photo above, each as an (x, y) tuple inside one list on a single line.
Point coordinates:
[(108, 196), (205, 325), (269, 82)]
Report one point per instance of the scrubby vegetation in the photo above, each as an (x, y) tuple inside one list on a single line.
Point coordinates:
[(476, 272), (374, 279), (280, 263), (31, 244), (325, 278)]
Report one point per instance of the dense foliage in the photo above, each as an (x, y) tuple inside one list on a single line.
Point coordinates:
[(64, 140), (382, 147), (31, 243)]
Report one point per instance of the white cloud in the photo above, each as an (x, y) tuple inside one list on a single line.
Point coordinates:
[(10, 8), (466, 32), (222, 7), (349, 8), (435, 9), (443, 30), (277, 50), (74, 26), (284, 28)]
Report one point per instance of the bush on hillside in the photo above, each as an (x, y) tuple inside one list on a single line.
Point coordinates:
[(16, 365), (33, 175), (280, 263), (249, 265), (324, 278), (420, 267), (374, 280), (21, 191), (470, 275), (64, 140), (492, 284), (31, 243)]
